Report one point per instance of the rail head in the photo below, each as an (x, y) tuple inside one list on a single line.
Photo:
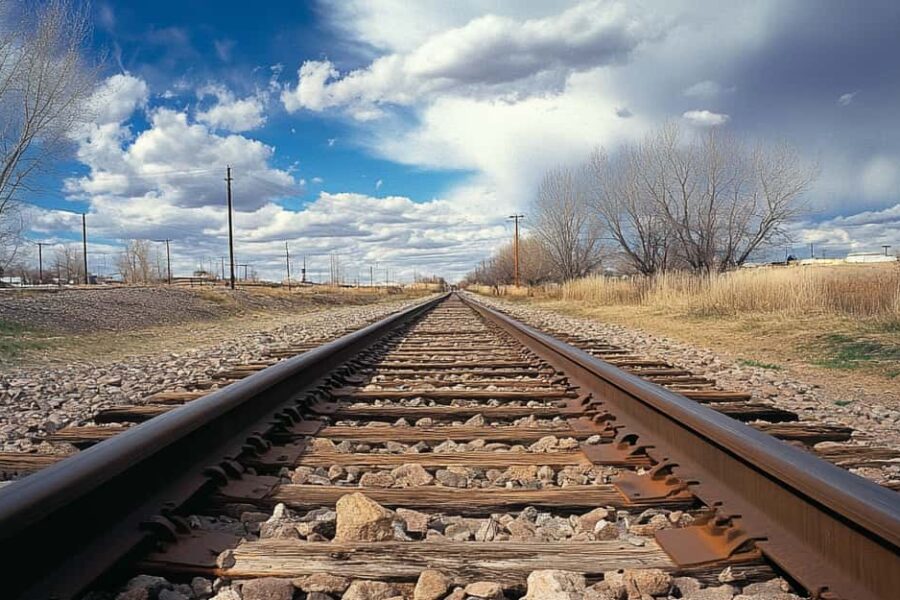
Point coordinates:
[(92, 504), (813, 518)]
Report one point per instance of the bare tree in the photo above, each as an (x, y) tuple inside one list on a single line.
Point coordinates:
[(565, 224), (135, 262), (628, 211), (706, 203), (45, 81), (69, 263)]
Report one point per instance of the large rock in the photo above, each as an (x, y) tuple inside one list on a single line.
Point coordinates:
[(267, 588), (411, 475), (555, 585), (370, 590), (432, 585), (360, 519)]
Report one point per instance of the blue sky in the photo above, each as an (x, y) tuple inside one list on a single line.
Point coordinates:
[(405, 132)]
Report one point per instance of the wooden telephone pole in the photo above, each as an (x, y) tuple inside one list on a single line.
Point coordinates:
[(516, 247), (230, 228), (287, 260)]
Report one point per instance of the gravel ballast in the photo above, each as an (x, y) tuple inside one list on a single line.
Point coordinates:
[(39, 400)]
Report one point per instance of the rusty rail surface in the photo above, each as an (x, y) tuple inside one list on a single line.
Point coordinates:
[(66, 525), (836, 533)]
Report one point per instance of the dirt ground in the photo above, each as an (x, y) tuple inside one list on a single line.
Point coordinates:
[(88, 325)]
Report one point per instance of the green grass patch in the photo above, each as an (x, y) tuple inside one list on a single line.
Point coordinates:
[(749, 362), (15, 339), (843, 402), (846, 352)]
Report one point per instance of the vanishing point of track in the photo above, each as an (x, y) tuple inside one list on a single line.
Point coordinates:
[(475, 414)]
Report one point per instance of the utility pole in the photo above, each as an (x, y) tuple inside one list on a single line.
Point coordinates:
[(84, 246), (41, 260), (303, 272), (516, 248), (168, 259), (885, 246), (811, 253), (287, 262), (230, 227)]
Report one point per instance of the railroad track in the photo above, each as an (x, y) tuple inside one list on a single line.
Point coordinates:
[(445, 447)]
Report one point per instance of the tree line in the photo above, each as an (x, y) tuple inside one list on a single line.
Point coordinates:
[(703, 203)]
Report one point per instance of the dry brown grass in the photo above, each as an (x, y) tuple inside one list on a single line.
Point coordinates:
[(818, 319), (859, 291)]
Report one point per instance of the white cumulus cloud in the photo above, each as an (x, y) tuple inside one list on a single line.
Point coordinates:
[(230, 113), (489, 53), (705, 118)]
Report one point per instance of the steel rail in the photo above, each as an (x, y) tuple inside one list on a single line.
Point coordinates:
[(66, 525), (835, 533)]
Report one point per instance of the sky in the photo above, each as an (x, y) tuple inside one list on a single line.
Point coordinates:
[(400, 135)]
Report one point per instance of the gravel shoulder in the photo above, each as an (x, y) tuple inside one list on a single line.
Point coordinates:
[(58, 389), (870, 406)]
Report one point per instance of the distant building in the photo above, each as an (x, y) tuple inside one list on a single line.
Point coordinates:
[(869, 257), (11, 281)]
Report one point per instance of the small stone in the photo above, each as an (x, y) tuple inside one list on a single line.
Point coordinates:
[(458, 532), (148, 586), (686, 585), (320, 444), (723, 592), (414, 521), (360, 519), (555, 585), (772, 586), (600, 591), (369, 590), (521, 530), (487, 531), (652, 582), (615, 580), (547, 443), (521, 474), (202, 587), (451, 478), (378, 479), (485, 589), (588, 521), (172, 595), (226, 594), (411, 475), (267, 588), (476, 421), (432, 585), (322, 582)]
